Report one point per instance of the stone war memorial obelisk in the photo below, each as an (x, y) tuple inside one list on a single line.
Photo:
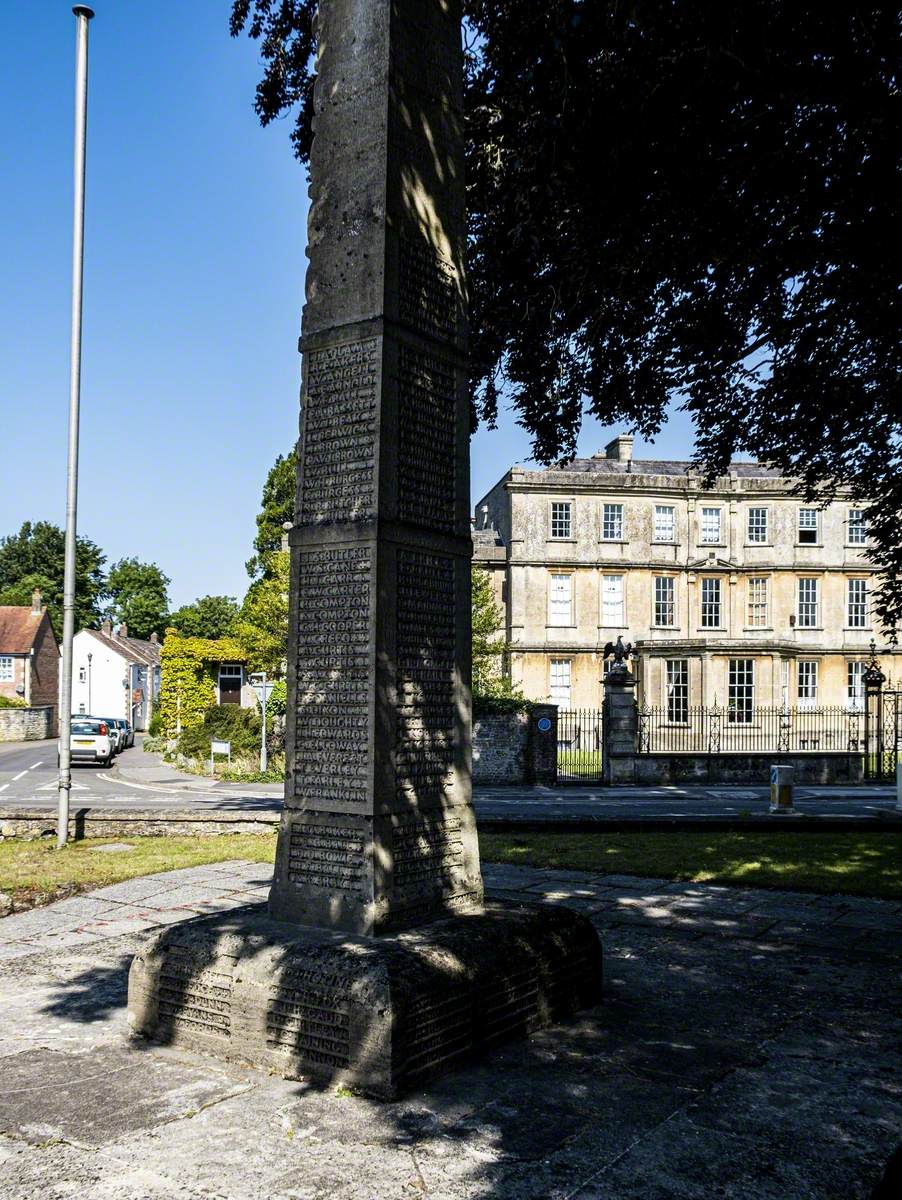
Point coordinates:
[(377, 962)]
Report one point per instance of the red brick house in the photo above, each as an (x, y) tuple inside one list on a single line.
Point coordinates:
[(29, 655)]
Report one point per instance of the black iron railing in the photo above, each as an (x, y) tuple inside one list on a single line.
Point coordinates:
[(712, 730), (579, 743)]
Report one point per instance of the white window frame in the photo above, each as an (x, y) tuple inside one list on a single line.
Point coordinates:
[(808, 608), (741, 691), (807, 682), (858, 527), (758, 606), (676, 675), (757, 529), (808, 522), (664, 529), (231, 673), (709, 605), (612, 523), (711, 523), (857, 608), (664, 602), (607, 606), (556, 603), (855, 671), (7, 668), (561, 519), (560, 681)]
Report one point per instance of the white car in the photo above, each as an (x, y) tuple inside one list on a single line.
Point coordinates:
[(90, 741)]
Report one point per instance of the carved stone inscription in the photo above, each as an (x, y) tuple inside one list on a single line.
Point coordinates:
[(425, 656), (331, 761), (426, 851), (195, 996), (329, 857), (427, 467), (309, 1023), (428, 290), (339, 438)]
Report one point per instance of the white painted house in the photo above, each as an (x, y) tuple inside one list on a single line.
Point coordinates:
[(114, 675)]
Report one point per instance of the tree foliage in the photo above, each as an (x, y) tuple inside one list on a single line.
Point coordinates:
[(138, 596), (490, 650), (35, 556), (678, 200), (278, 507), (262, 625), (207, 617)]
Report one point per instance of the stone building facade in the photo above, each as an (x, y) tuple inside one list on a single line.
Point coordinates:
[(737, 595), (29, 655)]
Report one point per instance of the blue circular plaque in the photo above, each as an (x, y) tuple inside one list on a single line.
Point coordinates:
[(544, 723)]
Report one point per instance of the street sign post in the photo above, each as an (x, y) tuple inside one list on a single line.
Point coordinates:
[(220, 748), (263, 690)]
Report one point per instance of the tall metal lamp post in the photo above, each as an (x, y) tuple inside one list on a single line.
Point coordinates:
[(83, 15), (262, 688)]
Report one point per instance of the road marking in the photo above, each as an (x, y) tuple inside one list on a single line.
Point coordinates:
[(160, 787), (19, 776), (3, 787), (52, 787), (32, 767)]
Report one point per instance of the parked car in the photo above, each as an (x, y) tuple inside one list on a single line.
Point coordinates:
[(115, 733), (90, 741), (126, 733)]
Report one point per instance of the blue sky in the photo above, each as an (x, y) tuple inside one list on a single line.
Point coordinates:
[(194, 272)]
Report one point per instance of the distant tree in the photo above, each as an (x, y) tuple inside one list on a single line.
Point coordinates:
[(207, 617), (262, 625), (278, 507), (35, 556), (490, 650), (138, 596), (678, 200)]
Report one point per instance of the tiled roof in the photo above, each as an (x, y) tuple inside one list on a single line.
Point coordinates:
[(132, 649), (656, 466), (19, 625), (486, 537)]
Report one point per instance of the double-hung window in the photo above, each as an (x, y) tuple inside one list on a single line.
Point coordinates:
[(561, 518), (612, 601), (665, 602), (612, 523), (857, 530), (807, 680), (560, 599), (855, 677), (857, 604), (757, 603), (711, 604), (741, 691), (665, 523), (559, 682), (7, 674), (808, 526), (677, 690), (711, 525), (757, 526), (808, 604)]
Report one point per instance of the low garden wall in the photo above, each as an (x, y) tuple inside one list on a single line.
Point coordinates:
[(515, 746), (22, 822), (27, 724), (822, 767)]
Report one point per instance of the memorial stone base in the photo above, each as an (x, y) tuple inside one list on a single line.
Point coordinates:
[(379, 1015)]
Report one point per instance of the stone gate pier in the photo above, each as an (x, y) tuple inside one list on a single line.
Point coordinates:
[(378, 961)]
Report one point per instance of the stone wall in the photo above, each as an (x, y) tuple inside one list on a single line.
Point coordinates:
[(32, 823), (751, 769), (27, 724), (516, 748)]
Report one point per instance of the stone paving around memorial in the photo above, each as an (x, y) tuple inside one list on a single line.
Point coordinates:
[(748, 1047)]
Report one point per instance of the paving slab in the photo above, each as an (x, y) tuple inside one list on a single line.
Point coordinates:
[(719, 1064)]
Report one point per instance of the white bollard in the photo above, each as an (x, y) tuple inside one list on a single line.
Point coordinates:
[(781, 786)]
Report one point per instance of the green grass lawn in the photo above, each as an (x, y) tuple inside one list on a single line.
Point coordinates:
[(861, 864), (864, 864)]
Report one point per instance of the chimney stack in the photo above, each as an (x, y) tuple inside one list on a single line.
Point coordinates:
[(620, 449), (106, 627), (123, 630), (154, 638), (36, 606)]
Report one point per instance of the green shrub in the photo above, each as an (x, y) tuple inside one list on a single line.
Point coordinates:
[(490, 706), (155, 728), (223, 723), (12, 702)]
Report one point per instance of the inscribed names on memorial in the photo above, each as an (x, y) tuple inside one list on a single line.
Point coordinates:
[(193, 995), (425, 749), (339, 434), (327, 857), (427, 437), (426, 850), (428, 290), (306, 1022), (332, 755)]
